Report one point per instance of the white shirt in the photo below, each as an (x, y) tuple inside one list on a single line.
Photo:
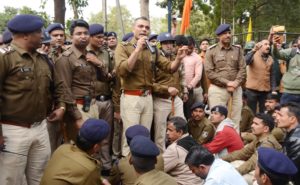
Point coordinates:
[(222, 173)]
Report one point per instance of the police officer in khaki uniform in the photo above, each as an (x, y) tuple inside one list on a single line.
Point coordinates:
[(27, 84), (143, 160), (74, 163), (57, 46), (261, 127), (166, 91), (103, 91), (133, 61), (201, 129), (226, 69), (80, 71), (123, 170)]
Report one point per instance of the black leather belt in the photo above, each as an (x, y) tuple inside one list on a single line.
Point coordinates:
[(103, 98)]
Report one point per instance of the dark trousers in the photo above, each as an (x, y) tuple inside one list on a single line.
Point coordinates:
[(188, 104), (255, 97), (287, 97)]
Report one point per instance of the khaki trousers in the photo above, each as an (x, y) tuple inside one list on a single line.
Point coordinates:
[(220, 96), (135, 110), (105, 109), (71, 129), (32, 148), (162, 109)]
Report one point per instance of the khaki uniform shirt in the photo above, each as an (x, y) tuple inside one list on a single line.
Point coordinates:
[(155, 177), (79, 77), (202, 131), (249, 154), (125, 173), (70, 165), (54, 54), (141, 77), (165, 80), (104, 88), (247, 118), (25, 78), (223, 65)]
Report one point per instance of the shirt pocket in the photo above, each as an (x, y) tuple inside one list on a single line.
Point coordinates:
[(234, 60), (220, 62), (83, 72), (25, 78)]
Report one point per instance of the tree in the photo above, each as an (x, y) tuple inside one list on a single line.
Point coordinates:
[(113, 23), (59, 11), (10, 12), (76, 7), (144, 8)]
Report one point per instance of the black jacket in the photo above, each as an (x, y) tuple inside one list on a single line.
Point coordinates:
[(292, 149)]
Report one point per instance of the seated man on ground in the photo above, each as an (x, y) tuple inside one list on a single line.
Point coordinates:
[(213, 171), (176, 152), (227, 139), (245, 159), (201, 129), (74, 163)]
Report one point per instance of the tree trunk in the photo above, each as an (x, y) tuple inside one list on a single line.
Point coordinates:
[(59, 11), (144, 8)]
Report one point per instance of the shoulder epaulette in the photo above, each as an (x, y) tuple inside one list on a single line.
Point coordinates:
[(67, 52), (124, 43), (6, 50), (238, 46), (212, 46)]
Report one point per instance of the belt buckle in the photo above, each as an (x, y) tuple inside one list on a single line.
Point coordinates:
[(145, 92)]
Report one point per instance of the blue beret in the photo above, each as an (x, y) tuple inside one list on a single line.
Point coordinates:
[(222, 28), (275, 163), (94, 130), (127, 36), (25, 23), (152, 36), (165, 37), (136, 130), (7, 37), (55, 26), (221, 109), (110, 34), (96, 29), (198, 105), (141, 146)]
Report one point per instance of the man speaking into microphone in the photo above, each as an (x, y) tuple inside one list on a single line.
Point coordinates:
[(134, 65)]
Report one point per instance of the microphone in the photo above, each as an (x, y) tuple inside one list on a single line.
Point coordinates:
[(151, 48)]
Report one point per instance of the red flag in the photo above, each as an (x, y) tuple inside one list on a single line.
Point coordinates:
[(186, 16)]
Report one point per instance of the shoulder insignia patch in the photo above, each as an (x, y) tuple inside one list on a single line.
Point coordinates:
[(212, 46), (124, 43), (238, 46), (204, 134), (6, 50)]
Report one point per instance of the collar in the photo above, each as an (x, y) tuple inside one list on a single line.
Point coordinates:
[(225, 122), (222, 47), (22, 51), (77, 53), (76, 149)]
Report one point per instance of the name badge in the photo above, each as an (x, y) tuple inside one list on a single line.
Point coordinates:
[(25, 69)]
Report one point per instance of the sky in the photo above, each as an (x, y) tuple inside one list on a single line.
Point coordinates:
[(94, 7)]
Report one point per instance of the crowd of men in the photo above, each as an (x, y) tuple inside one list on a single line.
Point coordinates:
[(148, 110)]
